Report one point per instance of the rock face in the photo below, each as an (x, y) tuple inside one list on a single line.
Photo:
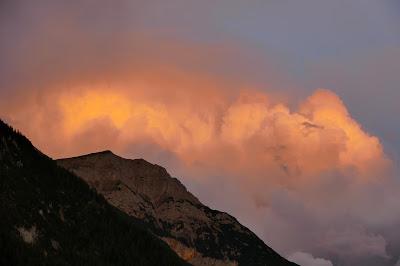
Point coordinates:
[(49, 216), (198, 234)]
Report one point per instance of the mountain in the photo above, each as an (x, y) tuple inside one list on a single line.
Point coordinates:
[(198, 234), (49, 216)]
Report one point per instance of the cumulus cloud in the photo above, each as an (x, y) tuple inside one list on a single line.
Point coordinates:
[(306, 259)]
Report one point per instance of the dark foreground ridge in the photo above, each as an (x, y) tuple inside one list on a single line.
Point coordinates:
[(49, 216), (146, 191)]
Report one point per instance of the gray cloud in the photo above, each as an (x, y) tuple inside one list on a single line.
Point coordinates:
[(306, 259)]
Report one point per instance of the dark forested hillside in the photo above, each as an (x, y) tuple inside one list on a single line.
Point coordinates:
[(48, 216)]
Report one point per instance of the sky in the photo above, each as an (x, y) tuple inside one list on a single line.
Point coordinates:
[(282, 113)]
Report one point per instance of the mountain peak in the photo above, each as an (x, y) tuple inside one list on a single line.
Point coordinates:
[(96, 154), (146, 191), (108, 172), (106, 152)]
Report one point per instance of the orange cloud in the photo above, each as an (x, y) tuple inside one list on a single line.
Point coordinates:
[(79, 110), (249, 134)]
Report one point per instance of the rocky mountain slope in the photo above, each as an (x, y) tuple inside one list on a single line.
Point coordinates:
[(200, 235), (48, 216)]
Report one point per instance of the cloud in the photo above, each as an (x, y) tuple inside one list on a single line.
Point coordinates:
[(305, 259), (365, 243), (278, 138), (367, 81)]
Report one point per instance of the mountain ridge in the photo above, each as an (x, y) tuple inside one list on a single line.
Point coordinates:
[(147, 192)]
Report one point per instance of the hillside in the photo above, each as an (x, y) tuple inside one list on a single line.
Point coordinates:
[(200, 235), (51, 217)]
